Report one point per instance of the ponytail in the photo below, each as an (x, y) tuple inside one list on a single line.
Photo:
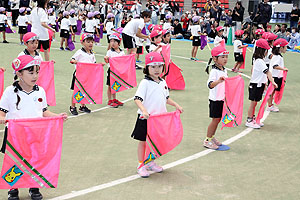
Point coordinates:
[(207, 66), (16, 85)]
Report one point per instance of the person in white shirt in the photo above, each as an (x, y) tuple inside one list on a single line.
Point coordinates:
[(89, 7), (238, 52), (98, 25), (52, 20), (109, 27), (168, 22), (136, 8), (156, 38), (14, 7), (65, 28), (73, 19), (196, 33), (90, 24), (3, 23), (219, 37), (118, 9), (31, 42), (22, 22)]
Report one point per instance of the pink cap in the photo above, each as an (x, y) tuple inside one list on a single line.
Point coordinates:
[(262, 43), (50, 10), (25, 61), (115, 36), (85, 36), (21, 10), (219, 51), (110, 15), (259, 31), (165, 31), (2, 9), (30, 36), (219, 28), (265, 35), (272, 36), (280, 42), (154, 58), (90, 14), (72, 11), (157, 27), (155, 33), (150, 27), (66, 13), (239, 32)]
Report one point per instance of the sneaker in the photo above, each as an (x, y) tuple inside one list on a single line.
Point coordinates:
[(196, 59), (84, 109), (138, 61), (118, 102), (68, 49), (73, 110), (35, 194), (4, 41), (112, 104), (143, 172), (192, 58), (21, 43), (260, 124), (152, 166), (216, 141), (273, 108), (13, 194), (61, 48), (210, 145), (252, 124), (138, 67)]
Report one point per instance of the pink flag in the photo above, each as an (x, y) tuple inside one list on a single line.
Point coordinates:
[(278, 95), (222, 43), (244, 56), (32, 155), (46, 81), (165, 132), (264, 102), (166, 54), (175, 80), (234, 101), (88, 86), (122, 73), (50, 33), (1, 82)]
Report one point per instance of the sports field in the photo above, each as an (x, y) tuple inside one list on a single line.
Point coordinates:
[(99, 158)]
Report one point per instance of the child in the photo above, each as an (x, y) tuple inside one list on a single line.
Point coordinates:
[(151, 97), (114, 40), (52, 20), (259, 77), (3, 23), (98, 24), (139, 45), (219, 37), (196, 32), (73, 20), (110, 28), (168, 22), (166, 39), (90, 24), (65, 28), (84, 55), (155, 41), (259, 32), (22, 23), (270, 37), (148, 32), (238, 52), (31, 41), (277, 66), (216, 85), (19, 101)]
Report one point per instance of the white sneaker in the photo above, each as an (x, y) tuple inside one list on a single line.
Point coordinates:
[(252, 124), (273, 109), (260, 124), (143, 172), (152, 166)]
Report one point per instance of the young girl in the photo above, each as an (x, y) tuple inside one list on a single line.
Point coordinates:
[(115, 40), (52, 21), (168, 22), (155, 41), (219, 37), (196, 32), (151, 97), (22, 23), (31, 42), (270, 37), (216, 85), (3, 23), (73, 20), (109, 27), (259, 32), (166, 39), (98, 24), (259, 77), (238, 52), (20, 101), (277, 66), (65, 30)]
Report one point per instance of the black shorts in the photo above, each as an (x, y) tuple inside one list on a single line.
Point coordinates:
[(2, 27), (73, 81), (215, 109), (44, 43), (278, 81), (128, 41), (238, 57), (196, 41), (108, 77), (107, 38), (74, 28), (64, 33), (22, 29), (53, 26), (139, 50), (140, 129), (255, 93)]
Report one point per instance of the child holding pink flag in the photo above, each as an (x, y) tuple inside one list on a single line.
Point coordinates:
[(238, 50), (277, 66), (216, 87), (259, 78), (114, 43), (151, 98), (24, 99)]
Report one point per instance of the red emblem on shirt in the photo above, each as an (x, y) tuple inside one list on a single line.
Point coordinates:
[(40, 99)]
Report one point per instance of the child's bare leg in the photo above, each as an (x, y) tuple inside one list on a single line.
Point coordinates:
[(251, 110), (109, 93), (270, 100), (72, 104), (21, 37), (62, 42), (66, 42), (212, 127), (239, 64), (4, 36), (195, 52), (141, 150)]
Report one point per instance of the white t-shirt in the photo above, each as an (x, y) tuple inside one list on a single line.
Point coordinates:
[(73, 20), (217, 93), (259, 72), (90, 25), (29, 18), (195, 29), (132, 27), (277, 60), (108, 27), (38, 15), (112, 53), (32, 104), (3, 18), (82, 56), (138, 41), (236, 44), (52, 20), (22, 20), (217, 41), (167, 26), (153, 47), (267, 58), (37, 54), (153, 95), (65, 24), (97, 23)]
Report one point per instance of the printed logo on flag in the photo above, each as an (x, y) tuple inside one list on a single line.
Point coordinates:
[(12, 175), (116, 86), (226, 119), (150, 158), (78, 96)]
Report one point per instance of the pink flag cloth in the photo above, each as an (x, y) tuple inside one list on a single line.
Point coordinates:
[(32, 155), (88, 86), (264, 102), (278, 94), (166, 54), (46, 81), (122, 73), (244, 56), (175, 80), (222, 43), (164, 133), (233, 103), (1, 82)]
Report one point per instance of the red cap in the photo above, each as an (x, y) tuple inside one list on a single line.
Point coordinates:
[(150, 27), (154, 58), (239, 32), (259, 31), (262, 43), (280, 42), (115, 36), (85, 36), (158, 27), (165, 31), (155, 33), (219, 28), (25, 61), (219, 51), (30, 36), (272, 36)]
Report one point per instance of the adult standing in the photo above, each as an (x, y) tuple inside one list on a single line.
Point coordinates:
[(24, 3), (40, 26), (215, 10), (89, 7), (264, 13), (238, 15), (174, 8), (14, 7), (104, 8), (294, 17), (118, 9), (136, 8)]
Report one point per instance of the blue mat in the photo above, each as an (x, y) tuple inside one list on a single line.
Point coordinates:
[(223, 147)]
